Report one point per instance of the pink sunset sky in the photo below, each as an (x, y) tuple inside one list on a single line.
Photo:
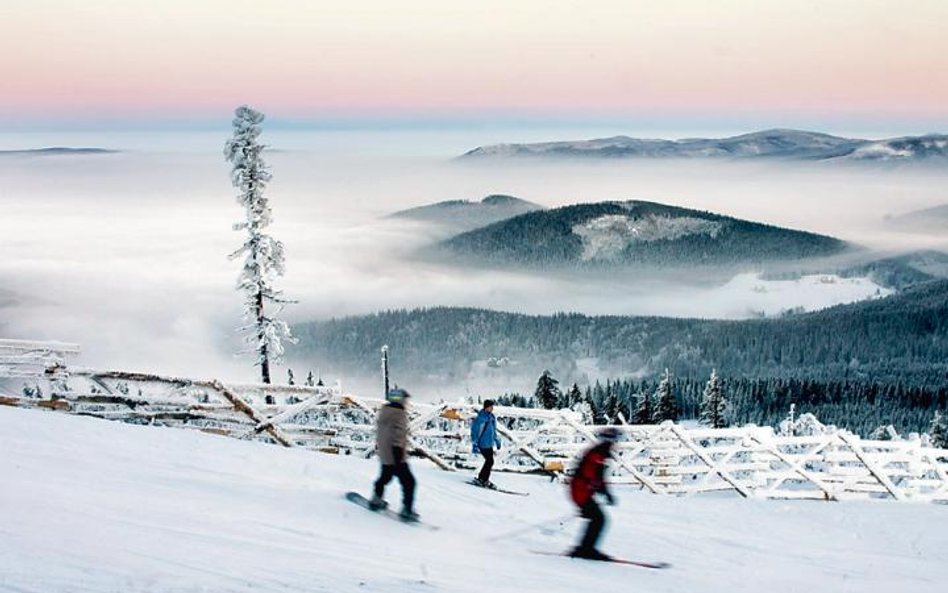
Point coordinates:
[(196, 58)]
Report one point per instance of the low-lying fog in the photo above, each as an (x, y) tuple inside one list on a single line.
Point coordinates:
[(126, 253)]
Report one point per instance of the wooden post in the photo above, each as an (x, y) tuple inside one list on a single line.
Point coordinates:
[(385, 371)]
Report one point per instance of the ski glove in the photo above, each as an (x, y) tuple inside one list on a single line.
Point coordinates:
[(497, 444), (399, 454), (610, 499), (475, 449)]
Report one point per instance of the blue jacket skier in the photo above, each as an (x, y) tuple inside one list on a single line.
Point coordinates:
[(483, 440)]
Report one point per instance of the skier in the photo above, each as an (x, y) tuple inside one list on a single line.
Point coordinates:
[(483, 440), (392, 446), (589, 480)]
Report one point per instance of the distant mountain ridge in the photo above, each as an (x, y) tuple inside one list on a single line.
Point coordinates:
[(463, 215), (58, 150), (776, 143), (610, 234), (928, 220)]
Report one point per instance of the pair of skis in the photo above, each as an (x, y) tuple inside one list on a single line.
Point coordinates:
[(363, 502), (496, 488), (611, 559)]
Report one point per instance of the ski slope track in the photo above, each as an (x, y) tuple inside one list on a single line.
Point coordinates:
[(88, 505)]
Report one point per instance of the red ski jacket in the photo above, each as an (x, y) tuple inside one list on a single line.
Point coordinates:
[(590, 476)]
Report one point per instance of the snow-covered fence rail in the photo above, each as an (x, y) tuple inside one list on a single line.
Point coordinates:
[(668, 458), (30, 358)]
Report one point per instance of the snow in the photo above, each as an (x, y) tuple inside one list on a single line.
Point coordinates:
[(95, 506), (609, 235), (751, 294), (881, 150)]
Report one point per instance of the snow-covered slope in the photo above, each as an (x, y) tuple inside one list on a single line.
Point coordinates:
[(903, 149), (778, 143), (93, 506)]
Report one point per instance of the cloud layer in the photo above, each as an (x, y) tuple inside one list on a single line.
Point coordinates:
[(126, 253)]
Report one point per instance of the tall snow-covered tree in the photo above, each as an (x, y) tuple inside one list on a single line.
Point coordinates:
[(939, 431), (548, 393), (713, 404), (263, 255), (666, 405)]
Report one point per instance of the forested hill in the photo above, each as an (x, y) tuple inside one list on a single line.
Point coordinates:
[(610, 234), (465, 215), (899, 339)]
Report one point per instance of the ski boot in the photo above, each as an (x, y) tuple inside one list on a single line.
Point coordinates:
[(409, 516), (591, 554)]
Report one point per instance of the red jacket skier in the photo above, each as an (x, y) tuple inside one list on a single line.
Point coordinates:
[(589, 480)]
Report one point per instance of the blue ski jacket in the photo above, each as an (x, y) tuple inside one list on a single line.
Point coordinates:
[(484, 432)]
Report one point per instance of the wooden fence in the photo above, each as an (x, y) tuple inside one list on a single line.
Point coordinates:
[(30, 358), (750, 461)]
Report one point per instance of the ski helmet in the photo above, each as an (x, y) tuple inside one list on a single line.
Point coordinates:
[(397, 395), (610, 434)]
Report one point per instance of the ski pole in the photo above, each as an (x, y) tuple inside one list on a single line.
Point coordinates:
[(530, 527)]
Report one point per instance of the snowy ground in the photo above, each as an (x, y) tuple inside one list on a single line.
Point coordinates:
[(90, 505), (750, 294)]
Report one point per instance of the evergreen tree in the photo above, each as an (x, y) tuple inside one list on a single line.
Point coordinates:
[(713, 404), (597, 411), (610, 409), (584, 407), (666, 406), (643, 409), (939, 431), (309, 379), (573, 396), (263, 255), (548, 393), (787, 427)]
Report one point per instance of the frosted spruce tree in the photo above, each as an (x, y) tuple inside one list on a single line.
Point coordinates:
[(263, 255), (643, 409), (585, 409), (713, 404), (886, 432), (573, 396), (610, 408), (547, 394), (939, 431), (666, 406)]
